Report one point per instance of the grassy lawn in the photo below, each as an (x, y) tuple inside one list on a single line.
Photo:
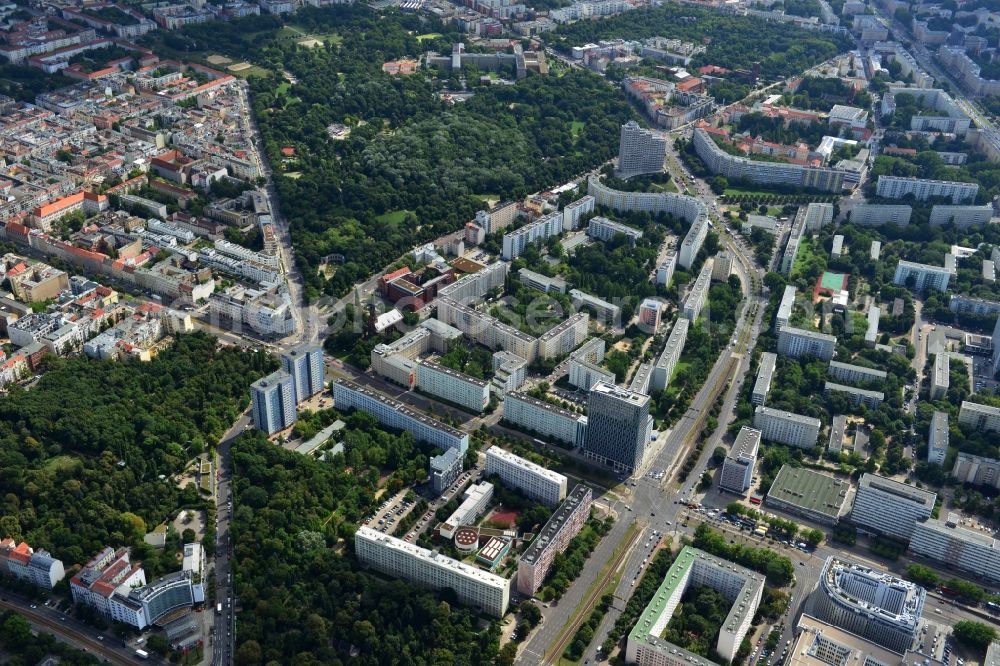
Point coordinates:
[(429, 35), (805, 254), (577, 127), (253, 70), (60, 463), (283, 88), (681, 366), (488, 199), (733, 191), (393, 218), (294, 175), (668, 186)]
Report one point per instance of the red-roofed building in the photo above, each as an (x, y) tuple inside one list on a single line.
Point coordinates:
[(692, 85), (108, 571), (35, 567), (90, 203), (383, 282), (713, 69), (172, 165)]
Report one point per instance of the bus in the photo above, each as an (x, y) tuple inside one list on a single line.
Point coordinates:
[(218, 608), (142, 654)]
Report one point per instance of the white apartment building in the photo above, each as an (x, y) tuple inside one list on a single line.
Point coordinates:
[(453, 386), (722, 266), (937, 439), (848, 372), (542, 283), (562, 526), (537, 416), (961, 216), (871, 604), (874, 315), (445, 470), (474, 286), (606, 312), (37, 567), (940, 376), (797, 342), (981, 418), (532, 480), (666, 363), (857, 396), (693, 240), (584, 375), (393, 414), (879, 214), (695, 568), (785, 306), (242, 253), (573, 213), (765, 372), (604, 229), (690, 209), (889, 507), (475, 500), (640, 151), (649, 314), (973, 552), (897, 187), (925, 276), (698, 295), (515, 242), (665, 271), (719, 161), (486, 330), (106, 573), (305, 364), (786, 428), (737, 469), (567, 335), (509, 372), (473, 586), (273, 402), (977, 470), (817, 216)]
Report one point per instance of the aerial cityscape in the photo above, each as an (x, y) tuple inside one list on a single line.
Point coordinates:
[(426, 332)]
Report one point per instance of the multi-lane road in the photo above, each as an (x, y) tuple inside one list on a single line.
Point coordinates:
[(648, 505)]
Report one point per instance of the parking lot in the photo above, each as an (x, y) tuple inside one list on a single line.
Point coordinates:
[(392, 511)]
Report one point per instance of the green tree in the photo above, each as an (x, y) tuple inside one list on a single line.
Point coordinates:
[(16, 632), (922, 575), (974, 634)]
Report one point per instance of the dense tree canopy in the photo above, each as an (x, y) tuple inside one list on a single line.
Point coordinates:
[(315, 604), (735, 42), (83, 450)]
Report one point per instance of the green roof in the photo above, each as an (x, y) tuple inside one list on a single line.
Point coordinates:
[(653, 621)]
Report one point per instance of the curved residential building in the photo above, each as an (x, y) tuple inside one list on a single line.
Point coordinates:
[(691, 210), (874, 605), (720, 162)]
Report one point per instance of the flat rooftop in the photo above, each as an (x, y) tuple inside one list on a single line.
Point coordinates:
[(654, 620), (885, 485), (556, 522), (810, 491)]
